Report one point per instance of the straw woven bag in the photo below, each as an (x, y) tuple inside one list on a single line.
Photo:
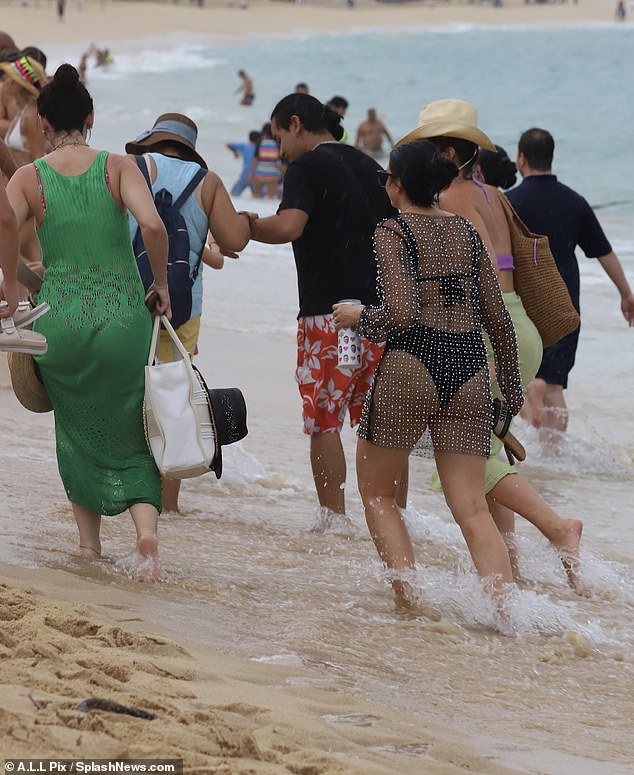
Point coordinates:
[(537, 281)]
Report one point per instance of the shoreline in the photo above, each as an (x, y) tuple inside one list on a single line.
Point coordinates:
[(67, 638), (122, 21)]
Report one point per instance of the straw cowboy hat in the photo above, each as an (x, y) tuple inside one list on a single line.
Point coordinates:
[(27, 384), (26, 72), (449, 118), (173, 127)]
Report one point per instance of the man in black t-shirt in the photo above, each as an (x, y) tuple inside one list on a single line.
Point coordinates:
[(549, 207), (331, 204)]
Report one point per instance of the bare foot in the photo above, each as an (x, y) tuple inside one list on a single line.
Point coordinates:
[(88, 553), (568, 549), (147, 546), (535, 399)]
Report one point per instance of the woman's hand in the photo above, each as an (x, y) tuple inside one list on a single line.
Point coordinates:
[(346, 315), (9, 292), (162, 306)]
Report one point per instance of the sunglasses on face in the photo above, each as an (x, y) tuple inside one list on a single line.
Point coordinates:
[(383, 176)]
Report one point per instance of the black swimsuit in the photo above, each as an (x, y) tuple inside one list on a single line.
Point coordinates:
[(438, 289)]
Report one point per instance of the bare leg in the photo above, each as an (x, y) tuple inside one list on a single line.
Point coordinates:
[(555, 409), (89, 525), (171, 489), (329, 470), (462, 478), (379, 472), (533, 409), (505, 522), (403, 486), (516, 493), (145, 519)]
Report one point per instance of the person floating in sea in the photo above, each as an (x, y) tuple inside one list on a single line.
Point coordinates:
[(246, 87), (370, 134)]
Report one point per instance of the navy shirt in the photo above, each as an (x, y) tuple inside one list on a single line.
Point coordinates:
[(551, 208), (337, 187)]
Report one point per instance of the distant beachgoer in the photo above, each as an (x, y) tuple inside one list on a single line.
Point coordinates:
[(370, 134), (97, 318), (265, 165), (302, 88), (247, 152), (101, 56), (621, 11), (438, 290), (61, 7), (246, 87), (549, 207), (23, 82), (340, 105), (330, 205), (169, 149)]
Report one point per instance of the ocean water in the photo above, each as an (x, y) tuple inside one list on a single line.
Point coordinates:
[(243, 572)]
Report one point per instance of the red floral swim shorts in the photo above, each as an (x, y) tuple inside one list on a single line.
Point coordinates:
[(327, 390)]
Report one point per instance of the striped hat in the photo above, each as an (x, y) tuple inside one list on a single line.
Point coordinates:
[(26, 72)]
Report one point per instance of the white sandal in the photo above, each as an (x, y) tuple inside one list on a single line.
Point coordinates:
[(20, 340), (26, 313)]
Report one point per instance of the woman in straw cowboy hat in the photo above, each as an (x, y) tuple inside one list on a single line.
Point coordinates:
[(452, 126), (23, 82), (98, 328), (172, 161), (438, 291)]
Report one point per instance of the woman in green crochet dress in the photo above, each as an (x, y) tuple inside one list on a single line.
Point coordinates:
[(98, 328)]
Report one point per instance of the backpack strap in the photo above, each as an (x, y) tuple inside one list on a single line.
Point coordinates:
[(186, 193), (142, 165), (189, 189)]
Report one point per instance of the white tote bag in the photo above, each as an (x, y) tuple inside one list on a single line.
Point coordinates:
[(176, 413)]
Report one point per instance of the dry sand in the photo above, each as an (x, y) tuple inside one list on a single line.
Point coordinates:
[(64, 640)]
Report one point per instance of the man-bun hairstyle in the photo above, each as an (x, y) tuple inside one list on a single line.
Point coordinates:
[(64, 101), (314, 115), (423, 171)]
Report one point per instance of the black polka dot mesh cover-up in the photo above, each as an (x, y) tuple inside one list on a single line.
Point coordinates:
[(438, 290)]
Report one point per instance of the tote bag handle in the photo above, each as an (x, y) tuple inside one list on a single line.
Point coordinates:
[(158, 321)]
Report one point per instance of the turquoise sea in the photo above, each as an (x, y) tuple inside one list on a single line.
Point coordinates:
[(242, 571)]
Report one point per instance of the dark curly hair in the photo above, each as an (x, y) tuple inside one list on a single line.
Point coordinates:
[(422, 170), (64, 100)]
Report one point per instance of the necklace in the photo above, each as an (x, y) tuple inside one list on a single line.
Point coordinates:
[(72, 142), (324, 142)]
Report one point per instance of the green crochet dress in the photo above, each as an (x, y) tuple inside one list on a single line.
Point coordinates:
[(98, 331)]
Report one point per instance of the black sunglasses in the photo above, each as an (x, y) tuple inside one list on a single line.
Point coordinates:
[(383, 176)]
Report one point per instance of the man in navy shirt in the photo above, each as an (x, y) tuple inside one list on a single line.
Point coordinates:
[(549, 207)]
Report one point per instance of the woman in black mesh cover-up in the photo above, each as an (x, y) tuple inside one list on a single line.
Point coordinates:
[(438, 290)]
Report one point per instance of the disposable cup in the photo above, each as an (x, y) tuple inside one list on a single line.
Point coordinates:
[(349, 347)]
